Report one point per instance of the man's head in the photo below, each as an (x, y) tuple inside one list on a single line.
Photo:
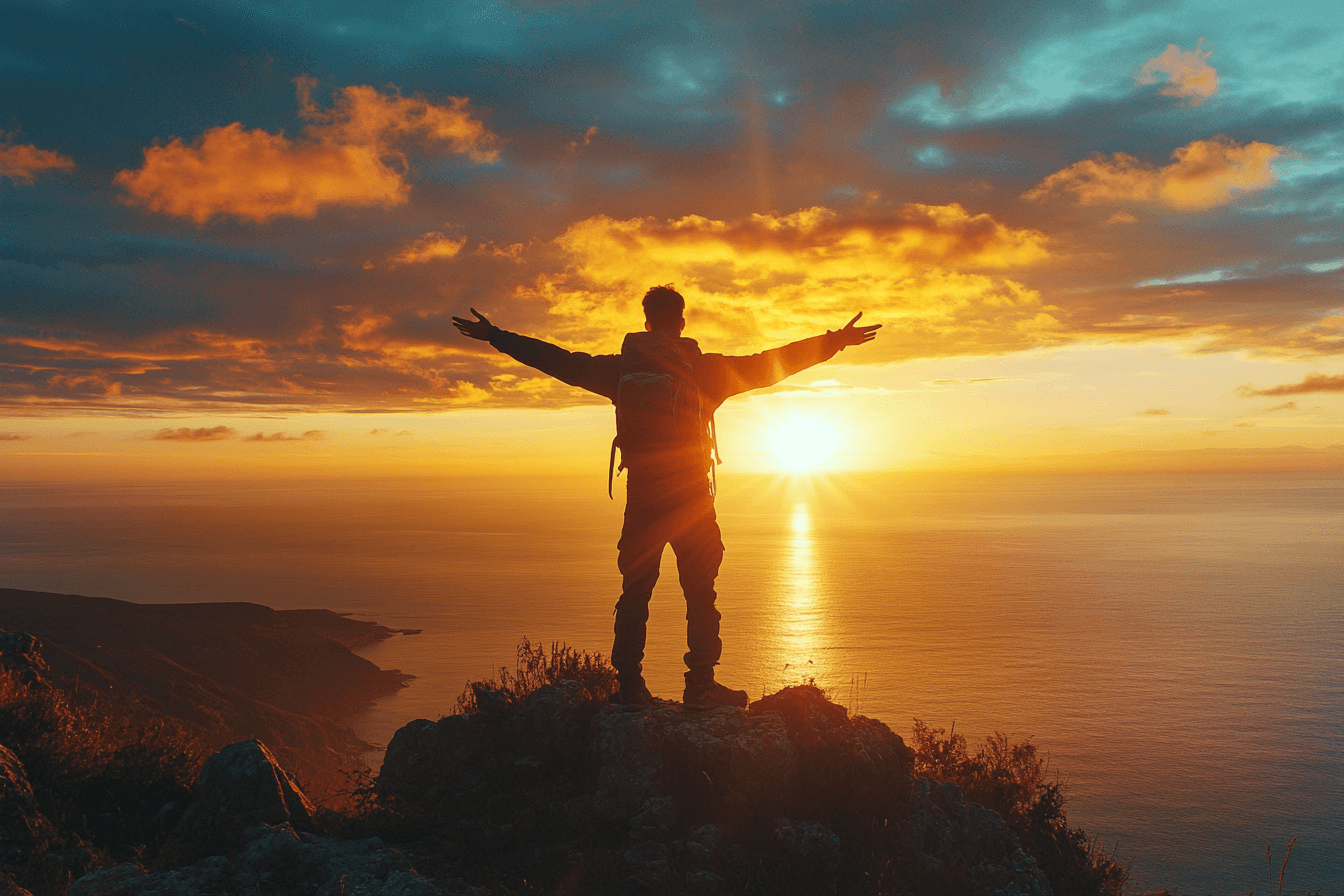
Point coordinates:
[(664, 310)]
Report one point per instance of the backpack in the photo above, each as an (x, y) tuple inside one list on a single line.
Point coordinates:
[(659, 410)]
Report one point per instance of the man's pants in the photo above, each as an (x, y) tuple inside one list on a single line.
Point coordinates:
[(657, 514)]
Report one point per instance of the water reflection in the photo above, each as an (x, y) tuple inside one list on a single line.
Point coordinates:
[(800, 584), (802, 601)]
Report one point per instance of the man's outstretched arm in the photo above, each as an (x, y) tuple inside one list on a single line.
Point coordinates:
[(728, 375), (596, 373)]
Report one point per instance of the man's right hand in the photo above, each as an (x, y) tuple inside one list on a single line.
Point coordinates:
[(477, 329)]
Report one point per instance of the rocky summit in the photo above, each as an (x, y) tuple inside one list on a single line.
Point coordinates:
[(789, 796), (554, 792)]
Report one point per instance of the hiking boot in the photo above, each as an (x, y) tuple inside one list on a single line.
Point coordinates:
[(633, 695), (710, 694)]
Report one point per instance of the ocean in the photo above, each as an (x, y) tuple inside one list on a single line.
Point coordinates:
[(1174, 644)]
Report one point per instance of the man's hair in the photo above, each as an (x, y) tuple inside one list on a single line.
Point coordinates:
[(663, 307)]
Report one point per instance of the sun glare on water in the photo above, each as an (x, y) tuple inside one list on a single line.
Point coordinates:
[(803, 445)]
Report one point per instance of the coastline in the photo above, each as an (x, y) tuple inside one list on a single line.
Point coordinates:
[(222, 672)]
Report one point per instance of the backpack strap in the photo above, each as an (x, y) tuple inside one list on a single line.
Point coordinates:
[(611, 467), (714, 459)]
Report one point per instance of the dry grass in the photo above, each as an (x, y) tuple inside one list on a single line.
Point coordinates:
[(102, 781), (537, 667)]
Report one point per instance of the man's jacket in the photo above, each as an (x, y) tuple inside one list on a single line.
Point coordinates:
[(719, 377)]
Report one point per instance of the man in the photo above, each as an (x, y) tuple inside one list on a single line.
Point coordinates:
[(669, 499)]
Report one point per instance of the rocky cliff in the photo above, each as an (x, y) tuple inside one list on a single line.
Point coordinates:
[(220, 672), (555, 793), (538, 789)]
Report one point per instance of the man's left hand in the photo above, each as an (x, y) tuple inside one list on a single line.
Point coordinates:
[(852, 335)]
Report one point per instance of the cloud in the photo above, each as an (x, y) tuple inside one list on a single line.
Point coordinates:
[(513, 252), (203, 434), (1312, 382), (966, 382), (1153, 412), (312, 435), (351, 154), (22, 163), (1286, 406), (1205, 173), (430, 247), (921, 269), (14, 437), (588, 135), (1188, 74)]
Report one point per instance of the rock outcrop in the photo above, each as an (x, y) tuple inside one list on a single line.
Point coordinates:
[(792, 796)]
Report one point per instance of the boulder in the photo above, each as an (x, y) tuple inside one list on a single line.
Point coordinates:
[(427, 761), (274, 859), (25, 832), (21, 656), (240, 787)]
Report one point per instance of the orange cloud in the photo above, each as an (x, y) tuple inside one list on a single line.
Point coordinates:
[(512, 252), (256, 175), (1205, 173), (24, 162), (14, 437), (430, 247), (202, 434), (309, 436), (1153, 412), (768, 278), (1188, 74), (588, 135), (1312, 382), (350, 155), (364, 117)]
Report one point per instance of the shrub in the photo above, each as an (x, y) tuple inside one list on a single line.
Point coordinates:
[(102, 781), (1010, 779)]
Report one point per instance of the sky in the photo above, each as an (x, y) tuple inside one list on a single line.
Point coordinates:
[(1098, 236)]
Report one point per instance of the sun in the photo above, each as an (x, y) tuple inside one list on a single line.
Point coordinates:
[(802, 444)]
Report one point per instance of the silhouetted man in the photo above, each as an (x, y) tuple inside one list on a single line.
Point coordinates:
[(666, 391)]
